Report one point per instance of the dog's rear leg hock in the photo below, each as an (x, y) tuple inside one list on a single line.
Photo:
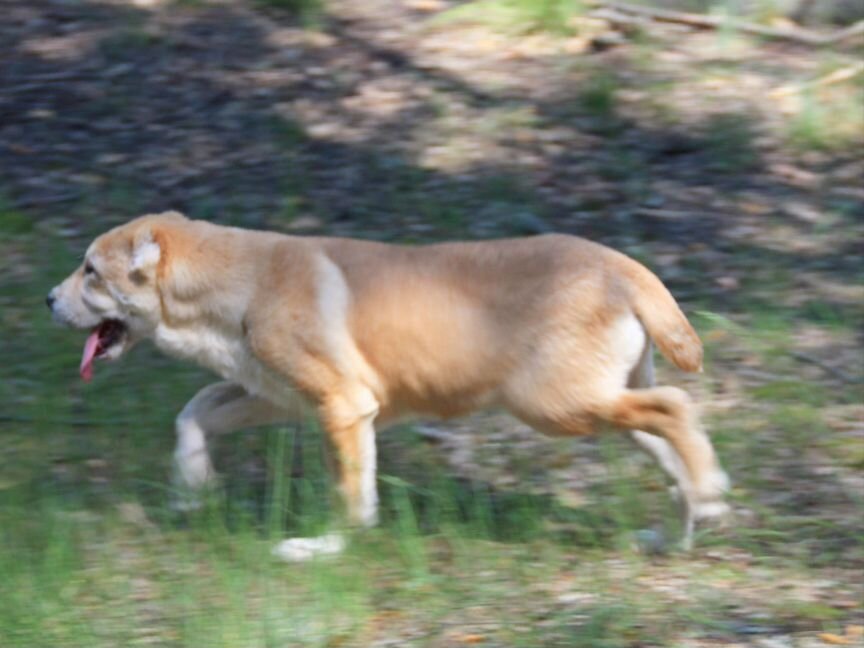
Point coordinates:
[(671, 463), (683, 449)]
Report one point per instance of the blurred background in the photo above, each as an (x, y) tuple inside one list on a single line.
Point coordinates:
[(719, 142)]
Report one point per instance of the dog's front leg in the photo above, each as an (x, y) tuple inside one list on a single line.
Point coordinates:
[(351, 433), (348, 421), (217, 409)]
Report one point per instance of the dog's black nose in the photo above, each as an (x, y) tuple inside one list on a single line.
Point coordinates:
[(50, 301)]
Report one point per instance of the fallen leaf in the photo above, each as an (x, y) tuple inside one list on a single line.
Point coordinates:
[(471, 638), (717, 335), (426, 5), (855, 631), (834, 639)]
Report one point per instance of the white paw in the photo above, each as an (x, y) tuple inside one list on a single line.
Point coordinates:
[(710, 510), (300, 549), (714, 487), (186, 503), (720, 481)]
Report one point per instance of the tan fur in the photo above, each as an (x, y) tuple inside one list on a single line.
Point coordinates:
[(551, 328)]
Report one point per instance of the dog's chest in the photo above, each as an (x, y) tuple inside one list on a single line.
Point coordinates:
[(226, 355)]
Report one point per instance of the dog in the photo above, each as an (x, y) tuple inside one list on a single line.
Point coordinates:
[(555, 329)]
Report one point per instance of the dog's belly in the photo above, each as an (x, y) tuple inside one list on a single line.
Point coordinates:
[(438, 399)]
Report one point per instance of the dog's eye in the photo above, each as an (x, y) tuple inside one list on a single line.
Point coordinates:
[(89, 269)]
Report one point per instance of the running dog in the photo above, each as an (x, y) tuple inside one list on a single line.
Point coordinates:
[(555, 329)]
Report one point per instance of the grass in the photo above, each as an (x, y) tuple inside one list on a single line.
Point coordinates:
[(310, 12), (729, 142), (826, 110), (828, 120), (500, 550), (516, 16), (101, 578), (91, 554)]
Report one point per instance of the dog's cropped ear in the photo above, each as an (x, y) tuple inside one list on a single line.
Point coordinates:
[(146, 251)]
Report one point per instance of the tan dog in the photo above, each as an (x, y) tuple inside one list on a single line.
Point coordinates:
[(554, 328)]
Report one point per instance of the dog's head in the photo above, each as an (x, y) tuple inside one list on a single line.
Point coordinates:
[(115, 291)]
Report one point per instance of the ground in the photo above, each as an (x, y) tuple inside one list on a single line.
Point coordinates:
[(730, 166)]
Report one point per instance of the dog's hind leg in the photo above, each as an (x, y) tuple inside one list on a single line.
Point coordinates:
[(642, 376), (217, 409), (675, 436)]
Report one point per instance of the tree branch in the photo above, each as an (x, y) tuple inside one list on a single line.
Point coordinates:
[(703, 21)]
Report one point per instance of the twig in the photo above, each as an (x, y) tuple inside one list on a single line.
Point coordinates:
[(847, 33), (837, 76), (618, 18), (39, 82), (433, 434), (664, 214), (834, 371), (702, 21), (23, 203), (758, 374)]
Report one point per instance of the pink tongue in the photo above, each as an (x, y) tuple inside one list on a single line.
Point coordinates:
[(90, 346)]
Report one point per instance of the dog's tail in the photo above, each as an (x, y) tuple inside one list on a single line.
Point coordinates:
[(659, 313)]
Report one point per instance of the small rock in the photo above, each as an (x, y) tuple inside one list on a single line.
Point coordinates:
[(651, 542), (727, 282), (752, 629), (607, 41), (773, 642)]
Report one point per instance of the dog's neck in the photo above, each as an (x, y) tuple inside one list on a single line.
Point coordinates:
[(201, 312)]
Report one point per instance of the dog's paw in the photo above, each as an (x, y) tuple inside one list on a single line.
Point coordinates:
[(720, 481), (186, 503), (712, 514), (711, 511), (300, 549), (184, 499)]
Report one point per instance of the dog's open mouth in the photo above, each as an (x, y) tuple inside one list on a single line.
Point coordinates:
[(102, 339)]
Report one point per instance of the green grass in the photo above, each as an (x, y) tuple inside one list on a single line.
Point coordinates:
[(310, 12), (827, 114), (516, 16), (729, 140), (833, 121), (91, 555), (597, 95)]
